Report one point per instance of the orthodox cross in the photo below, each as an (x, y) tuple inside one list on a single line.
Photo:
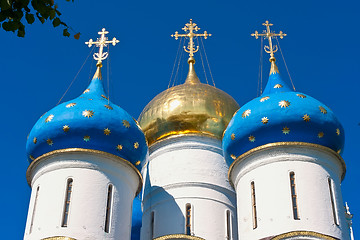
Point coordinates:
[(100, 43), (269, 35), (190, 28)]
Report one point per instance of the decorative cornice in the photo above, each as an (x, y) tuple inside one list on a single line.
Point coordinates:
[(303, 234), (289, 144), (178, 236), (81, 150)]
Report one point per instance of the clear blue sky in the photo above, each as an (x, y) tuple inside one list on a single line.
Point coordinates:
[(321, 51)]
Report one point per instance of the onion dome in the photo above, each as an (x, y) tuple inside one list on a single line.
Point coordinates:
[(90, 121), (189, 108), (281, 115)]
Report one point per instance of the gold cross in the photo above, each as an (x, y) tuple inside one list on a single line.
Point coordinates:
[(269, 35), (101, 42), (190, 28)]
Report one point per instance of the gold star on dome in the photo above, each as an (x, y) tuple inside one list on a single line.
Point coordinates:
[(338, 151), (90, 99), (286, 130), (264, 120), (233, 136), (109, 107), (137, 163), (86, 138), (70, 105), (278, 86), (49, 142), (300, 95), (320, 134), (49, 118), (88, 113), (322, 110), (338, 131), (125, 123), (306, 118), (66, 128), (87, 90), (136, 145), (263, 99), (35, 140), (104, 97), (246, 113), (119, 147), (284, 104), (251, 138), (31, 157), (233, 156), (107, 131)]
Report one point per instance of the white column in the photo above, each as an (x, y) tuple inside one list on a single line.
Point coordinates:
[(269, 169), (187, 170), (91, 174)]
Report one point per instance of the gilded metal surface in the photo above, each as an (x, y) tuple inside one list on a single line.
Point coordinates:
[(107, 131), (88, 113), (322, 110), (49, 142), (86, 138), (66, 128), (284, 104), (109, 107), (49, 118), (264, 120), (125, 123), (187, 109), (271, 49), (70, 105), (303, 234), (190, 29), (101, 43), (320, 134), (300, 95), (338, 131), (178, 236), (263, 99), (233, 136), (278, 86), (119, 147), (246, 113), (251, 138), (279, 144), (136, 145), (78, 150), (286, 130), (306, 118), (58, 238), (35, 140)]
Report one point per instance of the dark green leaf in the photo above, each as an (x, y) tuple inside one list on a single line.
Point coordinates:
[(56, 22), (5, 4), (30, 18), (66, 33), (52, 14)]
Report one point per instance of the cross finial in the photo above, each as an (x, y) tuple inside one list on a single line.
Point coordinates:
[(269, 35), (101, 43), (190, 29)]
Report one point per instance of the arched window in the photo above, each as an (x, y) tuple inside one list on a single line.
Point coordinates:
[(34, 209), (228, 224), (67, 203), (294, 196), (108, 208), (253, 203), (333, 205), (188, 219), (152, 220)]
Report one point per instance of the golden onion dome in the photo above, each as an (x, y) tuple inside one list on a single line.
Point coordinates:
[(189, 108)]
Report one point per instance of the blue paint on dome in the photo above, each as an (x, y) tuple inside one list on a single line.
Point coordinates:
[(281, 115), (90, 121)]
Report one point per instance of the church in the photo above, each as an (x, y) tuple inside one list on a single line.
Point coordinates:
[(195, 165)]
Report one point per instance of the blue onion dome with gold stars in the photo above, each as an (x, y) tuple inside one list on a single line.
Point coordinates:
[(281, 115), (92, 122), (190, 108)]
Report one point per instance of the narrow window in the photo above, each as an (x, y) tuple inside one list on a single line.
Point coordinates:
[(152, 225), (228, 225), (108, 208), (34, 209), (333, 205), (188, 219), (253, 202), (67, 203), (294, 196)]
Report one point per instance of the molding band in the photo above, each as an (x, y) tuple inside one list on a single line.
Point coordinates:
[(178, 236), (303, 234)]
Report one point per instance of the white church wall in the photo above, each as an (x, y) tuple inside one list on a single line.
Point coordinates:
[(270, 171), (91, 176), (187, 170)]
